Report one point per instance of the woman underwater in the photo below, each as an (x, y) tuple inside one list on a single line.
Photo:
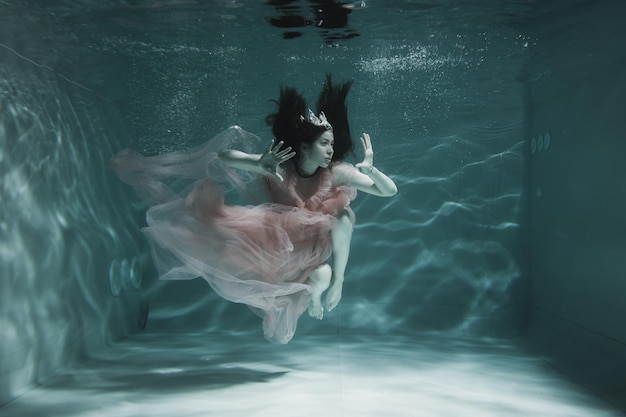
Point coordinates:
[(271, 256)]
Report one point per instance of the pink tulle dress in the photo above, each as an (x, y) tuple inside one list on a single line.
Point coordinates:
[(260, 255)]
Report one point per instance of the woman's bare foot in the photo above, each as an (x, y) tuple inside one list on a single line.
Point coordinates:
[(333, 296), (319, 281)]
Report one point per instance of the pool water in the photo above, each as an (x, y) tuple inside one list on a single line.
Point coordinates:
[(443, 90)]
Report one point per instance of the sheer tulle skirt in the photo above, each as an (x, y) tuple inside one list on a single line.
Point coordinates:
[(260, 255)]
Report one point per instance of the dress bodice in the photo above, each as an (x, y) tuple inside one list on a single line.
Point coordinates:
[(314, 193)]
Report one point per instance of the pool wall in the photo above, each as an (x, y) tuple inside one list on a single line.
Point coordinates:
[(577, 192), (63, 232)]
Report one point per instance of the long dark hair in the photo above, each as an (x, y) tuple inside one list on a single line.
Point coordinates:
[(332, 101), (288, 126)]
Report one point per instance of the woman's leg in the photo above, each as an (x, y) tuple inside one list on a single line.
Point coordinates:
[(319, 281), (341, 238)]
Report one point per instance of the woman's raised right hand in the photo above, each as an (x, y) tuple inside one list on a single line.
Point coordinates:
[(274, 156)]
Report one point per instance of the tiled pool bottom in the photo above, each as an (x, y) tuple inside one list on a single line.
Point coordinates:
[(194, 374)]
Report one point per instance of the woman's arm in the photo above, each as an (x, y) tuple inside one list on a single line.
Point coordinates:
[(374, 182), (365, 177), (267, 163)]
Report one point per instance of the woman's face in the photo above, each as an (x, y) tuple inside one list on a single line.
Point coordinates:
[(321, 150)]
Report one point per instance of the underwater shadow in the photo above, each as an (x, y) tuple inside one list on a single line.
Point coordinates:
[(147, 369)]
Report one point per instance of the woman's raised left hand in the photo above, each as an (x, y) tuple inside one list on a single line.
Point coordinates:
[(368, 155)]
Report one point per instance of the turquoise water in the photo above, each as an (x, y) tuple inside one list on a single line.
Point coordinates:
[(437, 87), (500, 123)]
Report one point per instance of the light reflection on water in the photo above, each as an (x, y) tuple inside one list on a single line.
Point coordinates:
[(446, 243), (441, 255), (59, 225)]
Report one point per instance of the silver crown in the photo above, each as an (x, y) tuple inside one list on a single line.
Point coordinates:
[(320, 120)]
